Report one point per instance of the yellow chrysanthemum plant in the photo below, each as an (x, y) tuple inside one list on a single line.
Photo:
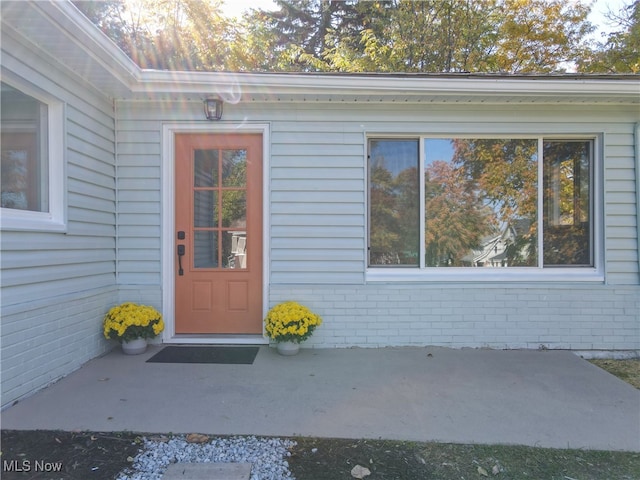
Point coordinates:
[(128, 321), (291, 322)]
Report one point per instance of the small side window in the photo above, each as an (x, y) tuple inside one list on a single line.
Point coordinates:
[(31, 169)]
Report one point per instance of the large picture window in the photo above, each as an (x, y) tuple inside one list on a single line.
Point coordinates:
[(480, 202)]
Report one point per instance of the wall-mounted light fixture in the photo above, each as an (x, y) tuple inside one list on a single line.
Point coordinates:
[(213, 108)]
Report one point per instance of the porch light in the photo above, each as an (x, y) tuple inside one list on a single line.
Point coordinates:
[(213, 108)]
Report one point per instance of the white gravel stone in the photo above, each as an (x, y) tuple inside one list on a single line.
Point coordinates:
[(267, 456)]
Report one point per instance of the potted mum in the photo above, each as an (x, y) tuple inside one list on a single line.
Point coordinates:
[(290, 323), (132, 324)]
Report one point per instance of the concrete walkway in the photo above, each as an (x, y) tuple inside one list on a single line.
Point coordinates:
[(539, 398)]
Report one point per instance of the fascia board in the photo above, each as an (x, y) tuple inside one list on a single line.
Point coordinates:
[(154, 81)]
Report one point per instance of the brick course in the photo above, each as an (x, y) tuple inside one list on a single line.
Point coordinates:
[(372, 315)]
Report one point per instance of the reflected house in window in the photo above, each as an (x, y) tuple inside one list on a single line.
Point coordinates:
[(501, 250), (237, 257)]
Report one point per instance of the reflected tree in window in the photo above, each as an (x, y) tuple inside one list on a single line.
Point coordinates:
[(504, 175), (481, 202), (566, 236), (394, 203), (456, 219)]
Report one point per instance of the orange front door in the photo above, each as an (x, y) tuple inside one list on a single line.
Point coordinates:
[(218, 233)]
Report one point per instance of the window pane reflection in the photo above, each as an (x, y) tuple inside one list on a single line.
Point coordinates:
[(566, 229), (205, 208), (205, 168), (234, 208), (234, 168), (480, 202), (205, 249), (220, 208), (234, 249), (394, 196), (24, 169)]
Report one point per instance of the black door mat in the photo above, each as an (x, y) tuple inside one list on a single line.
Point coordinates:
[(206, 354)]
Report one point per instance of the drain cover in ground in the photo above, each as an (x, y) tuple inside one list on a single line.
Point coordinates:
[(208, 471), (200, 354)]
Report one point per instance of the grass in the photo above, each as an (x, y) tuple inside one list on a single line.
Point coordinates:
[(627, 370), (330, 459)]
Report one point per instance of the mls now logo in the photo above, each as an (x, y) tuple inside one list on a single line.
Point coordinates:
[(29, 466)]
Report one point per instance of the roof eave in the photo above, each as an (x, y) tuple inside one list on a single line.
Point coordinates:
[(283, 87)]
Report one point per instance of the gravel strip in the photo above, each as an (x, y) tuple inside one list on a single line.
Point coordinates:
[(267, 456)]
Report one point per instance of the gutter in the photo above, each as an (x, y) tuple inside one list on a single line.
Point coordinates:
[(161, 81)]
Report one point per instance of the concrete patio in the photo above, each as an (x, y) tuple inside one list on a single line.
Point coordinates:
[(539, 398)]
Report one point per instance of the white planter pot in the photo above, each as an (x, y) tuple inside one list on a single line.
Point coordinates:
[(288, 348), (135, 347)]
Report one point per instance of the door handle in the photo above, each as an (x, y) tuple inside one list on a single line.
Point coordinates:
[(181, 252)]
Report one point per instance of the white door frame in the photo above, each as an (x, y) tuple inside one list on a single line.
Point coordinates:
[(168, 267)]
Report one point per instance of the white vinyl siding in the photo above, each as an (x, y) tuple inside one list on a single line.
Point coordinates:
[(317, 203), (57, 285), (139, 200), (620, 206), (85, 255), (317, 197), (316, 226), (323, 180)]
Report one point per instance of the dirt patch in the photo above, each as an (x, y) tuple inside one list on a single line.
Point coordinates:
[(627, 370), (57, 455)]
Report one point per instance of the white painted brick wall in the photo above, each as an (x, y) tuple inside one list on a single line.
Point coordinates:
[(579, 317), (42, 343)]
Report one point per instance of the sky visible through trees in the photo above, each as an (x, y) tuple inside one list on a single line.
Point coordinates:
[(427, 36), (235, 9)]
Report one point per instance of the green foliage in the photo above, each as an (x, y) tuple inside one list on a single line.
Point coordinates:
[(394, 237), (506, 36), (167, 34), (506, 174), (515, 36), (620, 53), (539, 36)]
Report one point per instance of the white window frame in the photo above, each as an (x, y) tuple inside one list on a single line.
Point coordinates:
[(53, 220), (570, 274)]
